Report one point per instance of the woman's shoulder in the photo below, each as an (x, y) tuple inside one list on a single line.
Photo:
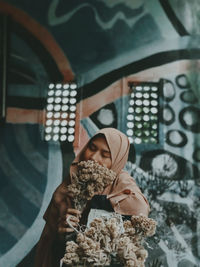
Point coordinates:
[(125, 177), (125, 180)]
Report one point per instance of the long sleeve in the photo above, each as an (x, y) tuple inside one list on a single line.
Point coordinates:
[(126, 197), (130, 204), (44, 248), (50, 247)]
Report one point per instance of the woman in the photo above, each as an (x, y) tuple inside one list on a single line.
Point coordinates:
[(108, 147)]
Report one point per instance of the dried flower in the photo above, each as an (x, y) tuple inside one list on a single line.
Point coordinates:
[(71, 247), (128, 228), (104, 238), (145, 226), (141, 254), (90, 178)]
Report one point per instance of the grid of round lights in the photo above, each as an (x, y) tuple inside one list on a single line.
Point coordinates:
[(60, 112), (142, 117)]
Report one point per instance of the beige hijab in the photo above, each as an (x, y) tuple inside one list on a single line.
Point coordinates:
[(125, 196)]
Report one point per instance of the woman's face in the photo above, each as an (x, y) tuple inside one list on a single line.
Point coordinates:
[(98, 150)]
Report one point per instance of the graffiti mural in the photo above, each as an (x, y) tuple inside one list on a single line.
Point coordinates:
[(104, 46)]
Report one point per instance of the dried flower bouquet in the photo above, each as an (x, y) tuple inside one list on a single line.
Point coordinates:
[(105, 240), (90, 178)]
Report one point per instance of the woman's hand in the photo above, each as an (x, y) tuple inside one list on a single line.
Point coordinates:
[(59, 209), (71, 218)]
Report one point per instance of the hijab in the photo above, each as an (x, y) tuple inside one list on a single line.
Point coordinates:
[(124, 186)]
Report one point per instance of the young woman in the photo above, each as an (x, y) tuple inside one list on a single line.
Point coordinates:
[(108, 147)]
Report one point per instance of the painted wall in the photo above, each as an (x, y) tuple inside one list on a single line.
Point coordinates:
[(102, 45)]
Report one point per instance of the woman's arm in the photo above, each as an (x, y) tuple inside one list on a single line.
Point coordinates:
[(130, 203), (126, 197), (56, 227), (59, 209)]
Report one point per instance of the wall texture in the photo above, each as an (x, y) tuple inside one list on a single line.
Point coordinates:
[(103, 46)]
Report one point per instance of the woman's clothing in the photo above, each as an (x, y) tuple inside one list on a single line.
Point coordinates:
[(123, 192), (124, 195)]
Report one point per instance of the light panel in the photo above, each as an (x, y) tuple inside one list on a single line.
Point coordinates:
[(60, 112), (142, 117)]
